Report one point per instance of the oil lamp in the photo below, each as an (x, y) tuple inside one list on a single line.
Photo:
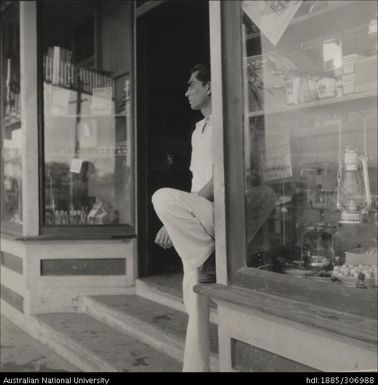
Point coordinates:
[(353, 190)]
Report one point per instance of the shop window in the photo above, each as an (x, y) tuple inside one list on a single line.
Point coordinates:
[(11, 186), (88, 175), (308, 127)]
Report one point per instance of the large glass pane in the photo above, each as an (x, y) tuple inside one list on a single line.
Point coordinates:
[(11, 205), (310, 101), (88, 175)]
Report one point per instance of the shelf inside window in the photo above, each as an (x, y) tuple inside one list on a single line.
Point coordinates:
[(367, 98), (85, 116)]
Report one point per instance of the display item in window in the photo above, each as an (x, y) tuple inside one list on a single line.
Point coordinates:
[(312, 88), (339, 88), (326, 88), (353, 191), (366, 253), (332, 56), (361, 284), (317, 246), (297, 90), (360, 276)]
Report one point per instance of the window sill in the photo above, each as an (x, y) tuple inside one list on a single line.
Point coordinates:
[(87, 232), (331, 295), (70, 237), (342, 323)]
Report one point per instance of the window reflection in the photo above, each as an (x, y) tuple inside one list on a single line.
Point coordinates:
[(87, 124), (11, 196), (310, 97)]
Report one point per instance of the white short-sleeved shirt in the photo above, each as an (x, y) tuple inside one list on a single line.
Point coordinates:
[(201, 164)]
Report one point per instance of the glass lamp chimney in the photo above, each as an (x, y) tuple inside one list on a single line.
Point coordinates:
[(353, 193)]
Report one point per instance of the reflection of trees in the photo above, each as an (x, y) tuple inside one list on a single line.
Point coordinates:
[(65, 190), (82, 195), (57, 186)]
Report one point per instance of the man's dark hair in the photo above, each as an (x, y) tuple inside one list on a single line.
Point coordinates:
[(203, 74)]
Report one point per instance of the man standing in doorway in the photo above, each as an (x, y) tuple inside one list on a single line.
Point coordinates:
[(188, 220)]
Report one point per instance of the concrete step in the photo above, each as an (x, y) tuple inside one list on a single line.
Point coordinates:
[(20, 352), (93, 346), (167, 291), (157, 325)]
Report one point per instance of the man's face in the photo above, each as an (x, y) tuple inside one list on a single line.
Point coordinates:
[(198, 94)]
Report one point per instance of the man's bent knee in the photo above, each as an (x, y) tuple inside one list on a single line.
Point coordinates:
[(162, 198)]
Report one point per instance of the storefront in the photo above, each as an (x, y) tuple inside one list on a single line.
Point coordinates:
[(94, 120)]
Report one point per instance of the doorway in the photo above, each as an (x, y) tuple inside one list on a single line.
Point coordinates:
[(171, 39)]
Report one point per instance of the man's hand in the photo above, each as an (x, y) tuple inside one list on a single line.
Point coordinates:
[(163, 239)]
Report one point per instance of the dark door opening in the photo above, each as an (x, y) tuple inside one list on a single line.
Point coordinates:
[(170, 40)]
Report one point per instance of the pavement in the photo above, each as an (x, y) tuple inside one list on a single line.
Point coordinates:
[(19, 352)]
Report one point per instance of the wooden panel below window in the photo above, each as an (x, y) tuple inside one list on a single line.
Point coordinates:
[(64, 267), (249, 358)]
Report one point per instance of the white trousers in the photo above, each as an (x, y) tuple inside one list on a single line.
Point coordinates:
[(189, 221)]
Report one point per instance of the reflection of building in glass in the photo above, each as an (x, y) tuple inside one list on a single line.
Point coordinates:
[(11, 160)]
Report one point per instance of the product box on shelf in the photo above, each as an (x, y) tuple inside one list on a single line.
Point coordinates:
[(366, 74), (361, 257), (349, 62), (349, 83), (360, 73)]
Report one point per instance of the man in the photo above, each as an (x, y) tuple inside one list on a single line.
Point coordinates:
[(188, 220)]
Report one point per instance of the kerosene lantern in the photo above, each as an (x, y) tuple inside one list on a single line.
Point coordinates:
[(353, 190)]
